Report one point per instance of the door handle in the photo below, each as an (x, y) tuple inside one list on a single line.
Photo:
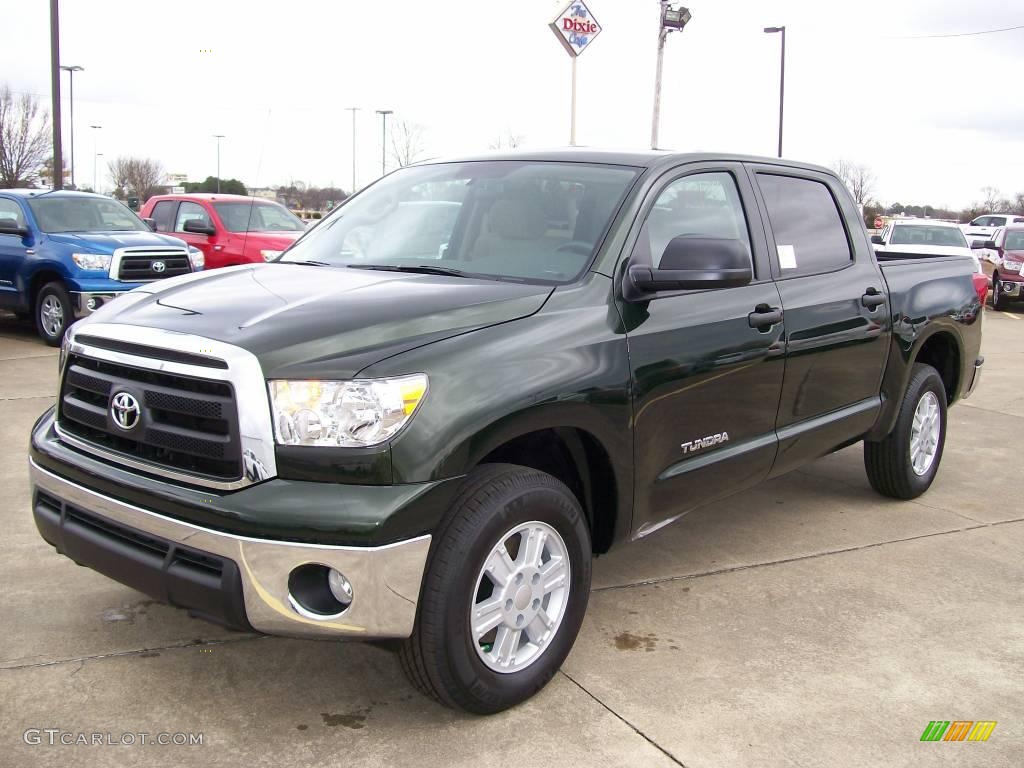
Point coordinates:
[(764, 317), (872, 298)]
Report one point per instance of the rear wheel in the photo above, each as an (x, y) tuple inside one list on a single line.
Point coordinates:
[(505, 591), (53, 313), (905, 463)]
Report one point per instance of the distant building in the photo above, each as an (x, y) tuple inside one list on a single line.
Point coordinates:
[(267, 193)]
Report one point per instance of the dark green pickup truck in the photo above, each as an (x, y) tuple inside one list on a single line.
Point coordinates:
[(425, 418)]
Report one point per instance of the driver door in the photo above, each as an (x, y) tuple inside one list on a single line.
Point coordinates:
[(707, 366)]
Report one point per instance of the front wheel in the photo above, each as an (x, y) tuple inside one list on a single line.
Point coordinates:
[(53, 313), (905, 463), (998, 302), (505, 591)]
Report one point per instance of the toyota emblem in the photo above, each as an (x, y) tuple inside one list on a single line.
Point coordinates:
[(159, 266), (125, 411)]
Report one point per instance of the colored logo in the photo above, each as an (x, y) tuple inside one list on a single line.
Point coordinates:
[(958, 730)]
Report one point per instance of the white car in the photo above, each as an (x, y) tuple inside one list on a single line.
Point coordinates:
[(926, 237), (983, 227)]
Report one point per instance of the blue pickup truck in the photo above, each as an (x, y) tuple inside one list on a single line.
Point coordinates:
[(65, 254)]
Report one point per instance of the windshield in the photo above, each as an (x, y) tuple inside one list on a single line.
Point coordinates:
[(924, 235), (84, 214), (500, 219), (258, 217), (1014, 240)]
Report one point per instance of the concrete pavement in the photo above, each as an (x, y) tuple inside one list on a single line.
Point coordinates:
[(807, 622)]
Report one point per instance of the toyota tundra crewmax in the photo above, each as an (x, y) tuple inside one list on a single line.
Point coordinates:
[(423, 419)]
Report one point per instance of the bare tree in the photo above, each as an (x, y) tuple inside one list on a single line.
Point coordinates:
[(507, 140), (858, 178), (24, 139), (139, 175), (1018, 203), (406, 143), (993, 200)]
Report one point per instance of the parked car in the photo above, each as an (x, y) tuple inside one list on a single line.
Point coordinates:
[(983, 227), (65, 254), (1007, 280), (926, 236), (228, 229), (380, 443)]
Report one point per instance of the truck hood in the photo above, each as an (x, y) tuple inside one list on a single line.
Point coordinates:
[(321, 322), (108, 242)]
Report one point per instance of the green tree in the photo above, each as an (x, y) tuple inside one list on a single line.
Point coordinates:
[(227, 186)]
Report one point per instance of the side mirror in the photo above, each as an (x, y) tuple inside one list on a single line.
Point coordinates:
[(199, 227), (691, 263), (10, 227), (877, 240), (151, 223)]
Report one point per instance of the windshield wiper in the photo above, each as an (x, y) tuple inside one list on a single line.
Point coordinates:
[(424, 269), (307, 263)]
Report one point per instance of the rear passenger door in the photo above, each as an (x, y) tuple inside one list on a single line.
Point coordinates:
[(836, 310), (706, 365)]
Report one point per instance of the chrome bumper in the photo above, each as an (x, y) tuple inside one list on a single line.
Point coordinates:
[(385, 580), (80, 301)]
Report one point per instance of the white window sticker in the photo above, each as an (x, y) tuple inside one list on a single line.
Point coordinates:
[(787, 256)]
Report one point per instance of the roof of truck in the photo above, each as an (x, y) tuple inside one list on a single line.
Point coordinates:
[(23, 192), (643, 158)]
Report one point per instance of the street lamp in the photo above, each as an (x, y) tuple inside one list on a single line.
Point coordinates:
[(384, 142), (95, 154), (71, 69), (218, 137), (782, 78), (671, 20), (95, 157)]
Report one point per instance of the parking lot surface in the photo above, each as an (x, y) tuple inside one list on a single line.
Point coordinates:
[(809, 622)]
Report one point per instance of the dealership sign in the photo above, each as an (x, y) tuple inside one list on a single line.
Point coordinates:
[(576, 27)]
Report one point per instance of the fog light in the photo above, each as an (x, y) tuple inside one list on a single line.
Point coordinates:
[(319, 592), (340, 587), (92, 303)]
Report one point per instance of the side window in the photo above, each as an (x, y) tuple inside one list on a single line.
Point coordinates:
[(1018, 220), (163, 215), (809, 233), (11, 211), (189, 212), (704, 205)]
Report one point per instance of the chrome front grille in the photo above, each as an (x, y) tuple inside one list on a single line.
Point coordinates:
[(188, 393), (141, 265)]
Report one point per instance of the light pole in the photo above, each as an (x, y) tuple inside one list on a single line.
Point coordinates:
[(95, 157), (58, 160), (782, 78), (218, 137), (384, 141), (95, 154), (353, 110), (71, 69), (671, 20)]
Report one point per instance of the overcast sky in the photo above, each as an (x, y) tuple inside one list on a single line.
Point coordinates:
[(935, 119)]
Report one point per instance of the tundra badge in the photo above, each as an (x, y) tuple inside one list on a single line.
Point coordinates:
[(705, 442)]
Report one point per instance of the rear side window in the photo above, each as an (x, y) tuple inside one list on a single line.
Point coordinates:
[(163, 215), (809, 232)]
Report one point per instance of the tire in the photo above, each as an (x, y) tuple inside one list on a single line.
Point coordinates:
[(998, 304), (444, 658), (53, 313), (889, 463)]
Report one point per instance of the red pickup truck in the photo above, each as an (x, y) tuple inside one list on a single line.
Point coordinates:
[(228, 229)]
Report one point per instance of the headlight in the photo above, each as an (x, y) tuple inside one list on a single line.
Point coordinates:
[(270, 255), (350, 414), (96, 261), (196, 257)]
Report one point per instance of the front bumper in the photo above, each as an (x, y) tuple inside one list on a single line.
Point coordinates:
[(84, 303), (238, 581)]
